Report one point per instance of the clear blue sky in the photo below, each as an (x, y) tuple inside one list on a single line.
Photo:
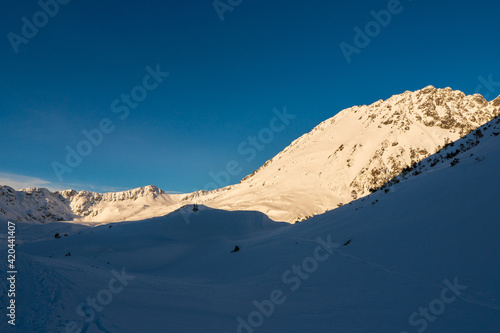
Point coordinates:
[(225, 78)]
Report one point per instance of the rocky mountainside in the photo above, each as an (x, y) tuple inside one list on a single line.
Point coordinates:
[(41, 205), (344, 158), (355, 152), (37, 205), (455, 152), (91, 204)]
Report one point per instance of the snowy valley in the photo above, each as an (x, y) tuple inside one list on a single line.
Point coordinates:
[(399, 233)]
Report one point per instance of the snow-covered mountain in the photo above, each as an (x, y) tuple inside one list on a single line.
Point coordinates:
[(419, 257), (354, 152), (37, 205), (40, 205), (139, 203), (344, 158)]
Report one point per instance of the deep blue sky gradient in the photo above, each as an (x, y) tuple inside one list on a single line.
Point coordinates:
[(225, 79)]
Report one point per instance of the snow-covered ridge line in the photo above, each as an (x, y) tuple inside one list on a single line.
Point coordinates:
[(359, 149), (425, 114), (133, 194), (344, 158), (35, 204), (41, 205)]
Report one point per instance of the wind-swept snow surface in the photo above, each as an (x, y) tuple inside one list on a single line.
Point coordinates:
[(421, 257)]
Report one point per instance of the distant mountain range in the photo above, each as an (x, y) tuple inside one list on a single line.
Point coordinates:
[(356, 152)]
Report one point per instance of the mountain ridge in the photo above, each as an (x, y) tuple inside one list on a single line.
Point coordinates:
[(357, 150), (343, 158)]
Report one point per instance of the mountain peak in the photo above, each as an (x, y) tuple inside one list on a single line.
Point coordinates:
[(429, 89), (443, 108), (358, 150)]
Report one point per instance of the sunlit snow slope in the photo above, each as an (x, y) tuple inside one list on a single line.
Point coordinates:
[(358, 150), (39, 205), (342, 159)]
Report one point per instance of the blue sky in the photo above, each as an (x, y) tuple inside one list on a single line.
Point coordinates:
[(225, 79)]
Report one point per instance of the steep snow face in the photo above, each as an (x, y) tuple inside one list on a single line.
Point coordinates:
[(139, 203), (37, 205), (358, 150)]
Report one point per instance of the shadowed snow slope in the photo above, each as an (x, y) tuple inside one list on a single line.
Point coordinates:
[(401, 247)]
